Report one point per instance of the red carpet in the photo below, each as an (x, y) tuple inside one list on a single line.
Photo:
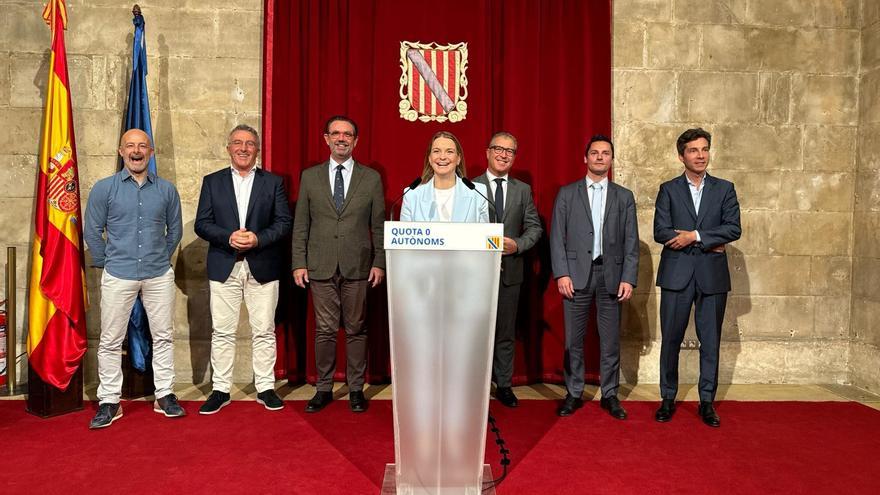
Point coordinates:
[(762, 447)]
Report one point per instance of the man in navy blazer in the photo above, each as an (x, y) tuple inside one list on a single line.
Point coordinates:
[(244, 215), (695, 216)]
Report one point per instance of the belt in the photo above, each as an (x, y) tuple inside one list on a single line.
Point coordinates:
[(598, 261)]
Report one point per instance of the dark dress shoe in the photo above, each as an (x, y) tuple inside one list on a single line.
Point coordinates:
[(506, 397), (667, 409), (319, 401), (357, 402), (570, 405), (710, 417), (612, 405)]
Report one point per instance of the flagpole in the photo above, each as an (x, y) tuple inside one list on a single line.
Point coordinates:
[(11, 350), (136, 366), (57, 339)]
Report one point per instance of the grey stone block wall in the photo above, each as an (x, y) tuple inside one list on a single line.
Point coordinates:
[(789, 88)]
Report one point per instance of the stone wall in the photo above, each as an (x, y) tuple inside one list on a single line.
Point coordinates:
[(777, 83), (865, 350), (204, 78), (789, 89)]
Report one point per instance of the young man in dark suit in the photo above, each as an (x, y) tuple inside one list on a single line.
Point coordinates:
[(594, 249), (338, 251), (695, 216), (522, 229), (244, 216)]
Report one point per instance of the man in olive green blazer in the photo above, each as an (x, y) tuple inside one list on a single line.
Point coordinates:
[(338, 251)]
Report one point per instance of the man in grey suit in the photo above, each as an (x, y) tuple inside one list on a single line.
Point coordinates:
[(337, 250), (522, 229), (695, 216), (594, 249)]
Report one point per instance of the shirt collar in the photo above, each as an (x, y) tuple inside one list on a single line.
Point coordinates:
[(603, 182), (124, 174), (492, 177), (348, 164), (250, 172), (702, 180)]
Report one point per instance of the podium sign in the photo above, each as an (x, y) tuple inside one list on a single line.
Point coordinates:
[(442, 301)]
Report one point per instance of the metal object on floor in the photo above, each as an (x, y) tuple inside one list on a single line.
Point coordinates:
[(10, 321)]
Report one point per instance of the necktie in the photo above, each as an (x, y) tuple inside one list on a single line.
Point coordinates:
[(499, 200), (339, 189), (596, 209)]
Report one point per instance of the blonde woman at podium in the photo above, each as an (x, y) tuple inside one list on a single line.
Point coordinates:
[(445, 195)]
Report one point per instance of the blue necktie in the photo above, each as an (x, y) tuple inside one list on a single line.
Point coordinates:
[(499, 200), (339, 189), (596, 209)]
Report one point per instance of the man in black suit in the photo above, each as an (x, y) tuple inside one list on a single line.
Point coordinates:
[(594, 249), (244, 216), (522, 229), (695, 216)]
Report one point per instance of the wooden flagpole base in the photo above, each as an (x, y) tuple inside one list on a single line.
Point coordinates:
[(136, 384), (46, 401)]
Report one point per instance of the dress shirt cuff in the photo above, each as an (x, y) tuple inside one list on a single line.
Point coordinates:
[(698, 236)]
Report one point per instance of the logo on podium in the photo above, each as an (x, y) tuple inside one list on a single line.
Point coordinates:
[(433, 81), (493, 242)]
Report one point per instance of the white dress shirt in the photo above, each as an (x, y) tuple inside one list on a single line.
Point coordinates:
[(243, 185), (696, 195), (493, 185), (346, 175)]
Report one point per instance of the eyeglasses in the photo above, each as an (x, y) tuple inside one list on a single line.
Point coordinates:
[(501, 150), (338, 134), (239, 143), (138, 146)]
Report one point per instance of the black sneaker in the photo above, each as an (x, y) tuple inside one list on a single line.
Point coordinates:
[(169, 407), (215, 402), (270, 400), (106, 415)]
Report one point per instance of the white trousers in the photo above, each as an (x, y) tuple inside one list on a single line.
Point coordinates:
[(117, 299), (260, 299)]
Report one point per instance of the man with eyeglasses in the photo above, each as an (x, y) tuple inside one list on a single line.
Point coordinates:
[(522, 229), (244, 216), (594, 250), (139, 213), (338, 251)]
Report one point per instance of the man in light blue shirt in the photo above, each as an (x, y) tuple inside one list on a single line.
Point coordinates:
[(594, 250), (695, 216), (133, 225)]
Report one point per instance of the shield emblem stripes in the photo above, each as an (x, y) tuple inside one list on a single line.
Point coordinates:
[(433, 83)]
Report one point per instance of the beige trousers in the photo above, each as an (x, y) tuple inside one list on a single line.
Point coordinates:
[(260, 299)]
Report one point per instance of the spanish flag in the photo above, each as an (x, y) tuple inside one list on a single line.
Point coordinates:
[(56, 306)]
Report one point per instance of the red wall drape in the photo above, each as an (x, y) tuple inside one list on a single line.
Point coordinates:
[(540, 69)]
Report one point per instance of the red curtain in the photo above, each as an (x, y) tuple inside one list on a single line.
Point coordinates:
[(540, 69)]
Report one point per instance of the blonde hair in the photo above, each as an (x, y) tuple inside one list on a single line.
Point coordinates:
[(460, 169)]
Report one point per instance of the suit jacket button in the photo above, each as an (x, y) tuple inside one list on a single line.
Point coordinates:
[(336, 237)]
